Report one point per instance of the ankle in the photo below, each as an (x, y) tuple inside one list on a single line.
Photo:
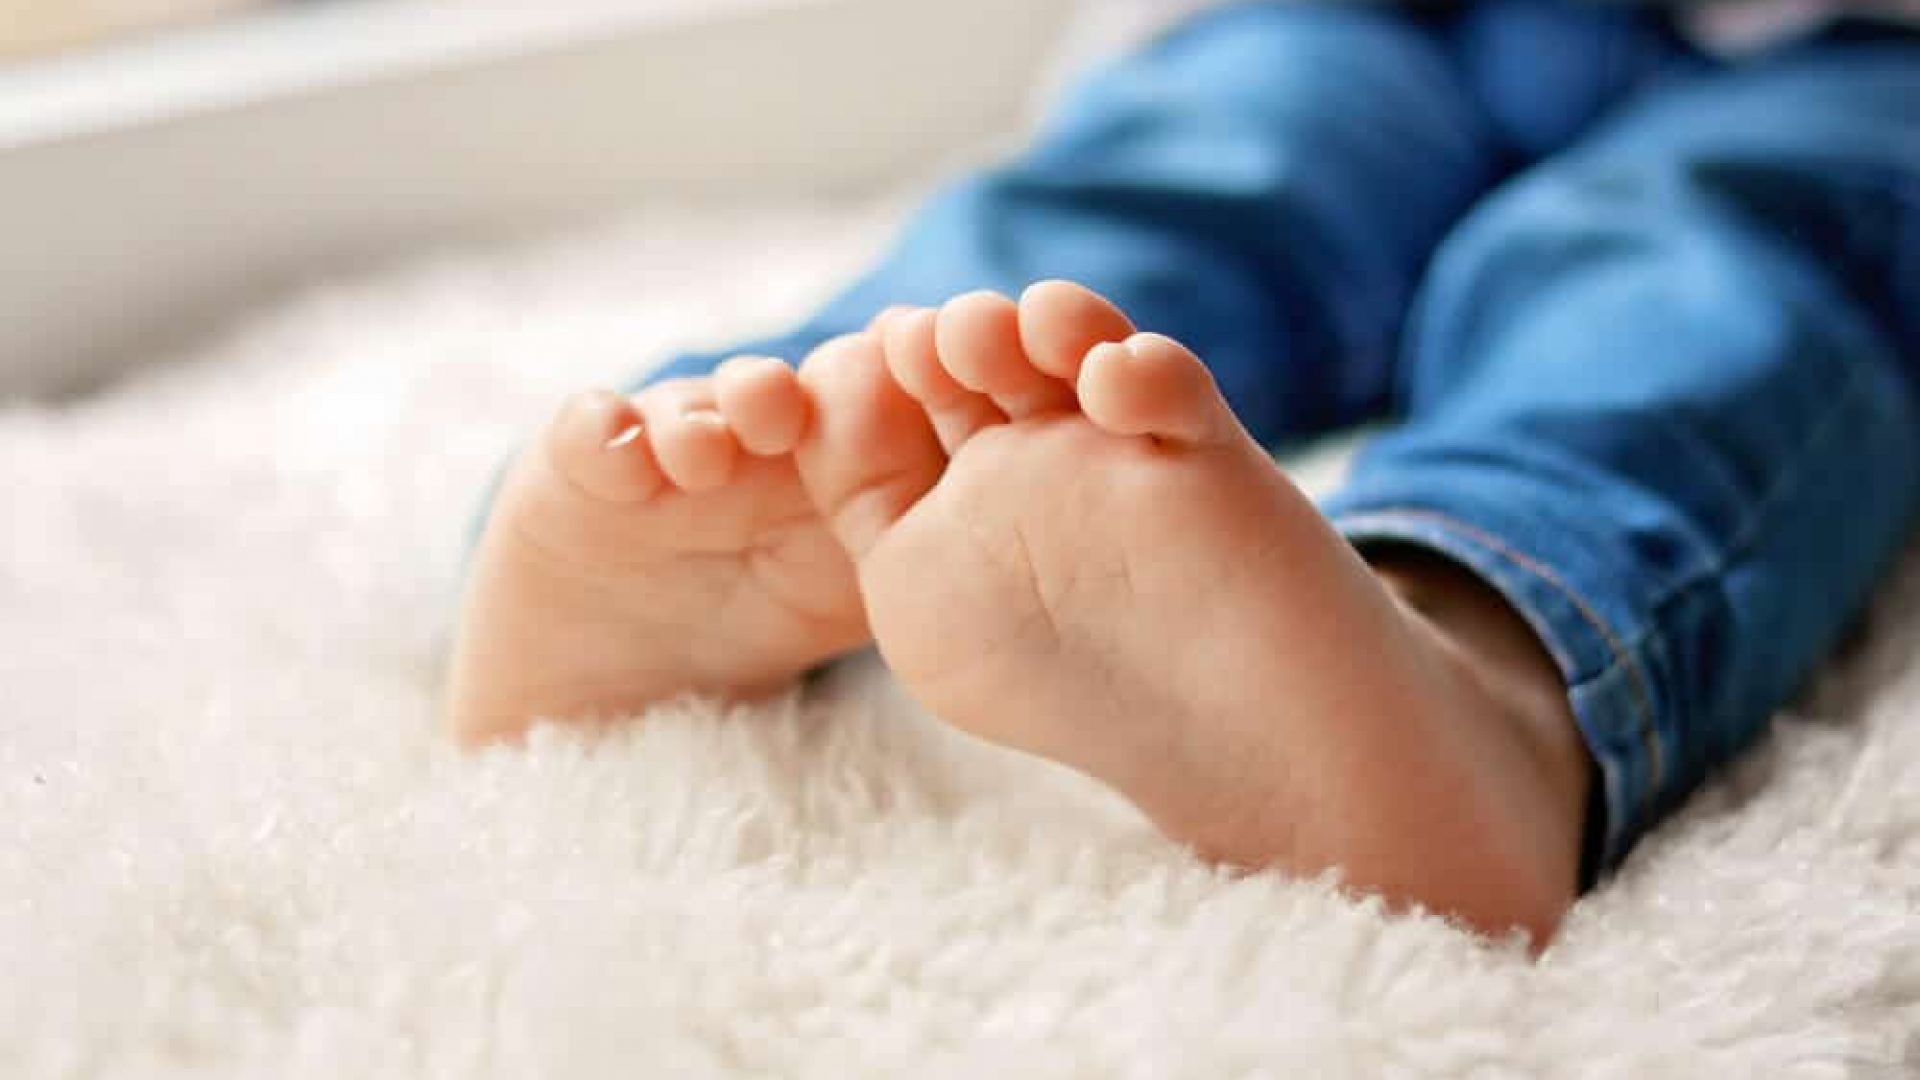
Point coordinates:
[(1492, 645)]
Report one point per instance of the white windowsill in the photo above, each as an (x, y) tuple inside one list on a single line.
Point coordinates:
[(285, 52), (149, 189)]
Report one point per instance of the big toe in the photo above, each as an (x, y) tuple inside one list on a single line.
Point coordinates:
[(870, 453), (1151, 385)]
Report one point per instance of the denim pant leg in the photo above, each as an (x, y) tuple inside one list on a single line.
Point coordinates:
[(1661, 393), (1264, 183)]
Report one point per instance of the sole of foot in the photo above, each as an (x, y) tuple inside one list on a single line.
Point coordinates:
[(1069, 546), (647, 547)]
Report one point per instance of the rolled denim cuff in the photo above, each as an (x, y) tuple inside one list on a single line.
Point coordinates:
[(1605, 664)]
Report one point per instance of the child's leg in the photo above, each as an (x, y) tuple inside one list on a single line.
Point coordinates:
[(1267, 181), (1661, 440), (1662, 395)]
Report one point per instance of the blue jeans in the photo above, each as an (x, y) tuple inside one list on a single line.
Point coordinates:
[(1649, 324)]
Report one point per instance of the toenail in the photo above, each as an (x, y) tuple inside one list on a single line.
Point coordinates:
[(627, 437)]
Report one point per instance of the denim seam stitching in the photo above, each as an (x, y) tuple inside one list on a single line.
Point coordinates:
[(1519, 558)]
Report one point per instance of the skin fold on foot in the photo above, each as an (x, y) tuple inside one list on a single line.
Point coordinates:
[(1068, 545)]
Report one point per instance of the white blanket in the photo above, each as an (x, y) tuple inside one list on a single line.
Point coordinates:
[(232, 844)]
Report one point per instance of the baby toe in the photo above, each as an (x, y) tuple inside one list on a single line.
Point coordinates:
[(597, 445), (913, 360)]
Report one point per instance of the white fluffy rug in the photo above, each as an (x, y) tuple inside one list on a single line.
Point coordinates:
[(234, 847)]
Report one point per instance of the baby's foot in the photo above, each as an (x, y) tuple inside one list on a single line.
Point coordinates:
[(1111, 573), (648, 547)]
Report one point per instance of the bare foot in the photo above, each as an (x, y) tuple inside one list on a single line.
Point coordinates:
[(648, 547), (1109, 572)]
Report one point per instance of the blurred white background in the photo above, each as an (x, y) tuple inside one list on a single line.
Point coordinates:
[(165, 162), (37, 27)]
